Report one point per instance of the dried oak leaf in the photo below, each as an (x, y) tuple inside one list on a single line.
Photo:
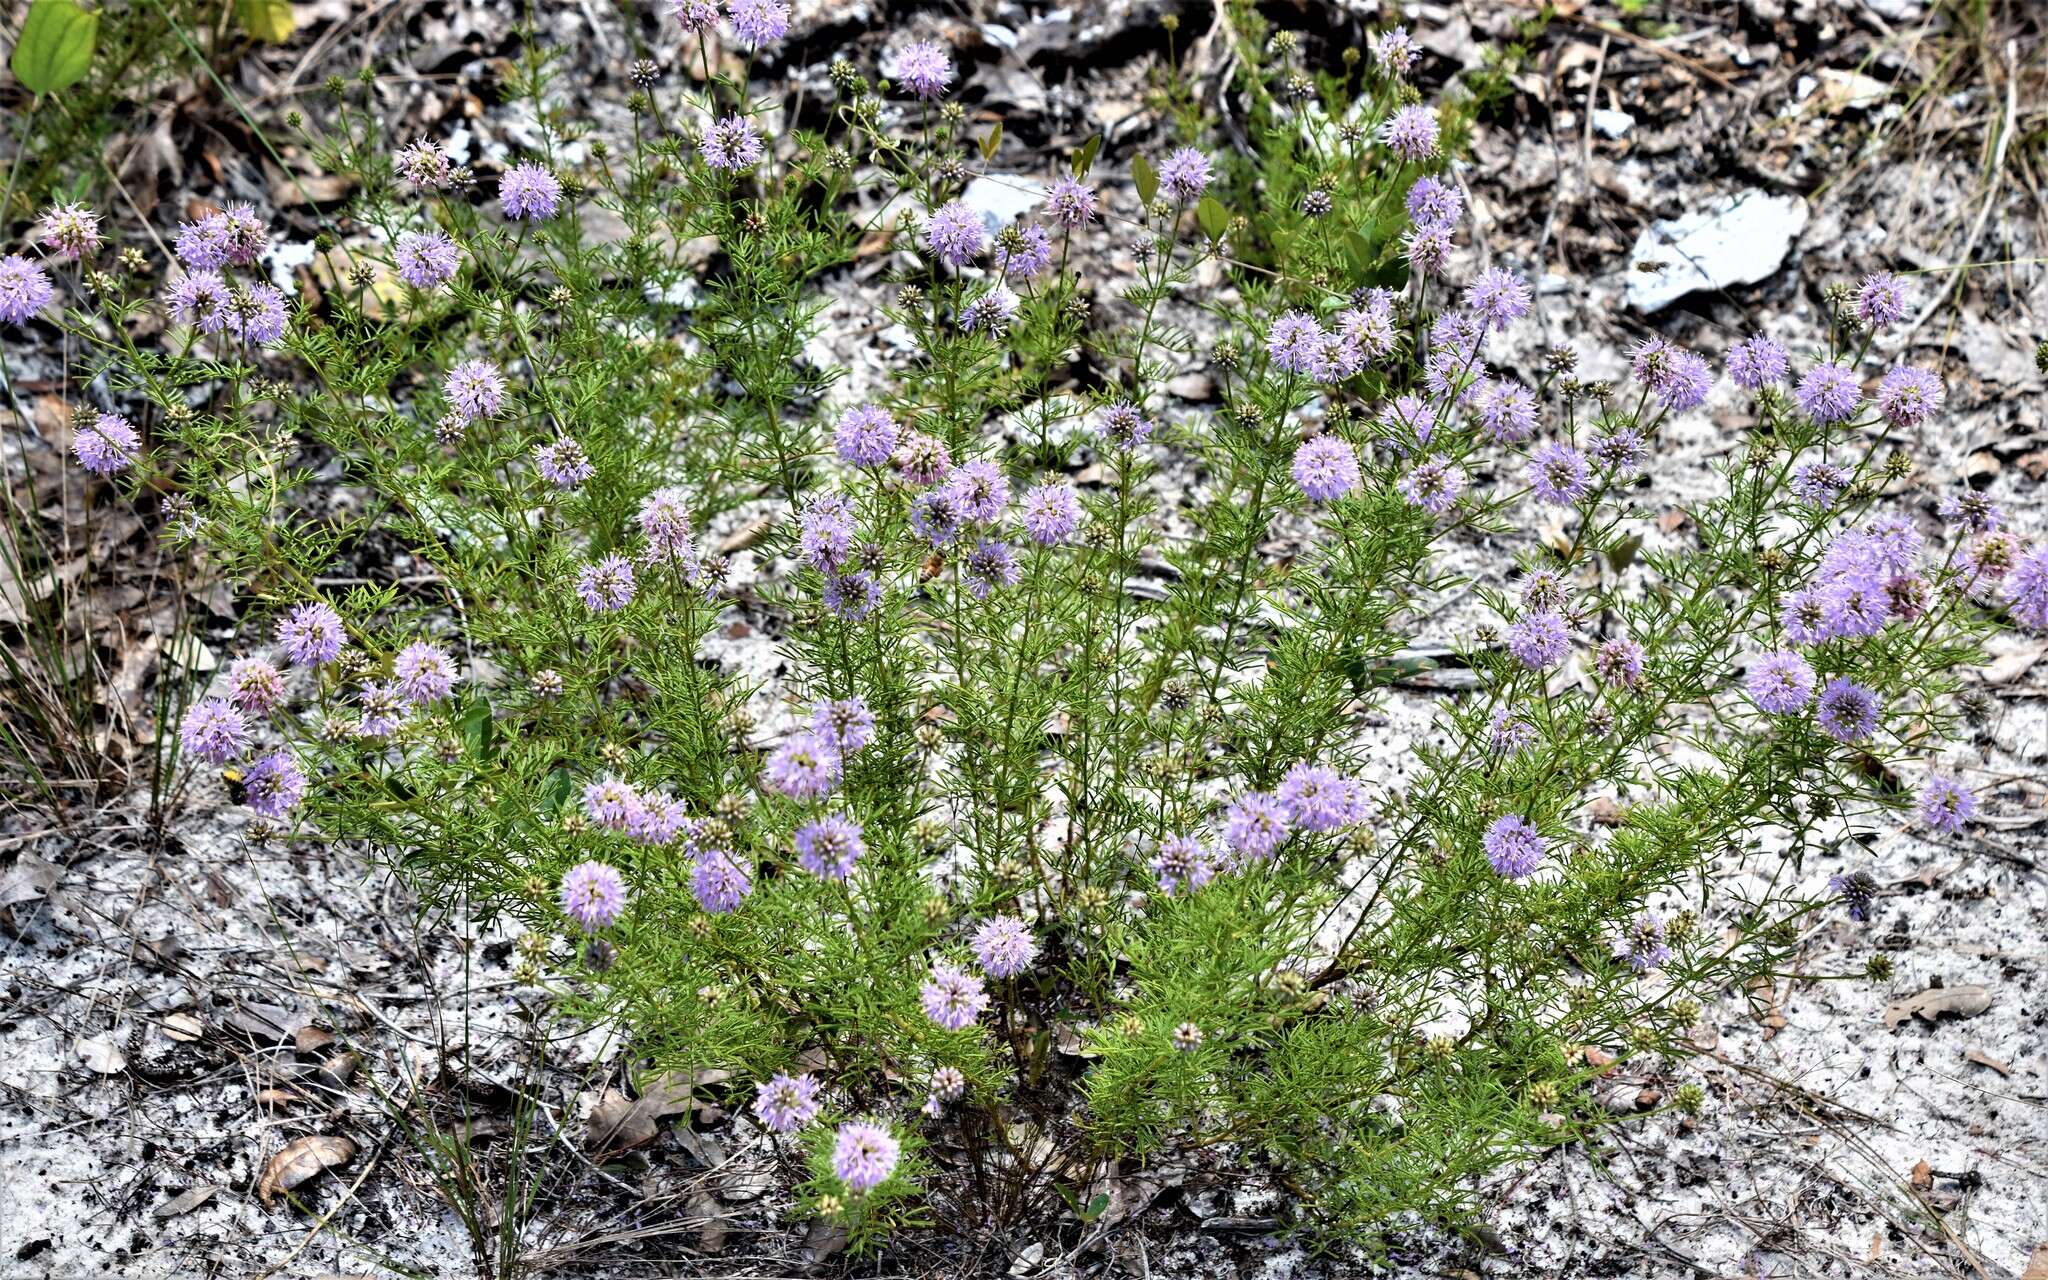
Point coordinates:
[(1966, 1001), (618, 1122), (185, 1201), (300, 1160)]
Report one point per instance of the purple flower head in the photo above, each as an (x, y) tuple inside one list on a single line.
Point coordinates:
[(1507, 410), (198, 298), (952, 997), (1620, 452), (979, 491), (1184, 175), (384, 708), (1780, 682), (311, 634), (202, 245), (758, 22), (954, 234), (1434, 486), (719, 883), (214, 730), (1539, 641), (1325, 468), (1907, 396), (852, 597), (787, 1103), (935, 517), (1971, 511), (846, 722), (1182, 863), (1394, 50), (1819, 483), (562, 463), (1509, 732), (24, 289), (1828, 393), (990, 313), (1318, 798), (864, 1155), (255, 686), (664, 519), (1619, 662), (241, 234), (1687, 383), (1642, 947), (1858, 889), (1255, 824), (1427, 248), (923, 459), (1498, 296), (825, 530), (1411, 133), (1945, 804), (69, 231), (274, 785), (1121, 424), (865, 435), (423, 673), (427, 261), (659, 820), (1434, 203), (2026, 589), (1880, 301), (1757, 362), (1364, 334), (1558, 474), (1004, 947), (1406, 423), (475, 389), (694, 15), (1070, 203), (805, 767), (255, 313), (1295, 344), (106, 444), (593, 895), (606, 585), (923, 68), (829, 847), (1847, 712), (731, 144), (529, 193), (990, 565), (424, 165), (1030, 256), (1051, 512), (1514, 847)]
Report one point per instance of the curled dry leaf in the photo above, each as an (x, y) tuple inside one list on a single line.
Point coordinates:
[(1966, 1001), (183, 1027), (300, 1160)]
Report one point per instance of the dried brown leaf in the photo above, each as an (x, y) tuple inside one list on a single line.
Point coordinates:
[(185, 1201), (1931, 1005), (301, 1160)]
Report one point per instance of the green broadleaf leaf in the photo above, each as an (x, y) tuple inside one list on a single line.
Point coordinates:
[(270, 21), (1213, 217), (992, 141), (1084, 159), (55, 49), (1147, 180)]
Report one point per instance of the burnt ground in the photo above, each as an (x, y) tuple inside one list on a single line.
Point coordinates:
[(183, 1016)]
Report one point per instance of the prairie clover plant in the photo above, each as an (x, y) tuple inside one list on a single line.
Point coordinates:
[(1057, 843)]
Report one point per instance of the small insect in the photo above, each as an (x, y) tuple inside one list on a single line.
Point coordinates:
[(237, 784), (1652, 267), (931, 568)]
